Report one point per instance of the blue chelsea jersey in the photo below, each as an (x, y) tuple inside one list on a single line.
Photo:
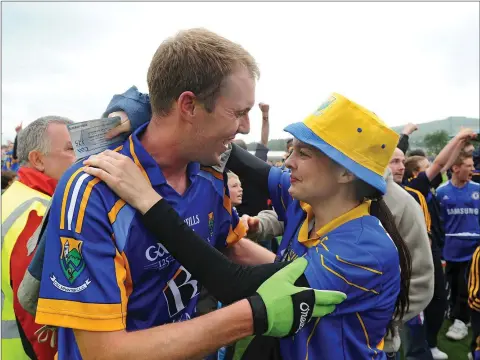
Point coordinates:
[(104, 271), (353, 254), (460, 211)]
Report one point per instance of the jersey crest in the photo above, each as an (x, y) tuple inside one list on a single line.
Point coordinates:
[(71, 259)]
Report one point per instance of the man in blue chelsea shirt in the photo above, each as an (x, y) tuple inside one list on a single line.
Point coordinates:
[(460, 208)]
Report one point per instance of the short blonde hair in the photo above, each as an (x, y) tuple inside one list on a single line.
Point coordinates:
[(461, 158), (232, 175), (195, 60)]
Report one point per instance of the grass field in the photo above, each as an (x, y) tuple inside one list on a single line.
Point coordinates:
[(456, 350)]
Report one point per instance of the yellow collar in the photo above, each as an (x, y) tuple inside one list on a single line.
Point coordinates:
[(361, 210)]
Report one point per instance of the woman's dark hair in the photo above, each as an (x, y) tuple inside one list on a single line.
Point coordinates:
[(380, 210), (15, 145)]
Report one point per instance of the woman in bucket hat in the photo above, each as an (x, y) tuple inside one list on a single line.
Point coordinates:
[(334, 216)]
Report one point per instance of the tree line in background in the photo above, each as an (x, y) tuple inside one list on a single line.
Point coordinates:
[(430, 136), (432, 143)]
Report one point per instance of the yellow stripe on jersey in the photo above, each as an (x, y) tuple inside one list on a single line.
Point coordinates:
[(321, 242), (122, 276), (117, 149), (128, 281), (344, 279), (381, 344), (135, 158), (236, 234), (359, 266), (112, 214), (310, 336), (83, 204), (81, 316), (366, 333), (65, 197), (310, 240), (424, 206), (474, 281), (474, 275)]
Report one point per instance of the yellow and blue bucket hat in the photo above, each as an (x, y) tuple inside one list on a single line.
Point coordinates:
[(350, 135)]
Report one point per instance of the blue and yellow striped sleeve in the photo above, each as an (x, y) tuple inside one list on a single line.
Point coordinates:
[(353, 271), (278, 185), (474, 282), (85, 279)]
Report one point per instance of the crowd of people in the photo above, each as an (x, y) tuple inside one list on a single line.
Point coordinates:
[(181, 244)]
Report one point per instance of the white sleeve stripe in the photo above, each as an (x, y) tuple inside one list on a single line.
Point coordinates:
[(464, 234), (73, 199)]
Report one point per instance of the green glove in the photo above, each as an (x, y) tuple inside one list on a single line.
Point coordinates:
[(282, 309)]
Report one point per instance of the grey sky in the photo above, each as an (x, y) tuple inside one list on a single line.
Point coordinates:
[(404, 61)]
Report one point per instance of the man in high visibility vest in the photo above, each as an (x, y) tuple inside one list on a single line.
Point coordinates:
[(45, 152)]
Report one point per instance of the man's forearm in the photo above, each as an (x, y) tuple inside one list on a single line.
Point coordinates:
[(451, 150), (191, 339), (269, 226), (265, 130), (453, 156), (246, 252)]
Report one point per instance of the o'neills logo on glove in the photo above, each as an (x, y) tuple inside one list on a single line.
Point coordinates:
[(304, 310)]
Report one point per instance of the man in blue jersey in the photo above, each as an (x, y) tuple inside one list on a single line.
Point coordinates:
[(107, 283), (460, 208)]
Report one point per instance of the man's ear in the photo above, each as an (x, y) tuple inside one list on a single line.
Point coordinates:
[(187, 105), (35, 158)]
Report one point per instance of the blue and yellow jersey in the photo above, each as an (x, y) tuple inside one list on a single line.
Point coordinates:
[(353, 254), (104, 272), (460, 210), (10, 163)]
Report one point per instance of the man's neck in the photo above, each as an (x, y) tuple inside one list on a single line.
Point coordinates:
[(458, 183), (163, 142), (329, 210)]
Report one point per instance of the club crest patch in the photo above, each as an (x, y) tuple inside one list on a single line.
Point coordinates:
[(475, 195), (325, 105), (71, 259)]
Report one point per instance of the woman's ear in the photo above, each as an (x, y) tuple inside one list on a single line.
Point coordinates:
[(345, 176)]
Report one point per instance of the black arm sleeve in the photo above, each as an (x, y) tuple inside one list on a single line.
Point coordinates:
[(261, 152), (403, 143), (225, 280), (253, 170)]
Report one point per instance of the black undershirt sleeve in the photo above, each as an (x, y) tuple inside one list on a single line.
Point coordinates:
[(249, 167), (403, 143), (225, 280)]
